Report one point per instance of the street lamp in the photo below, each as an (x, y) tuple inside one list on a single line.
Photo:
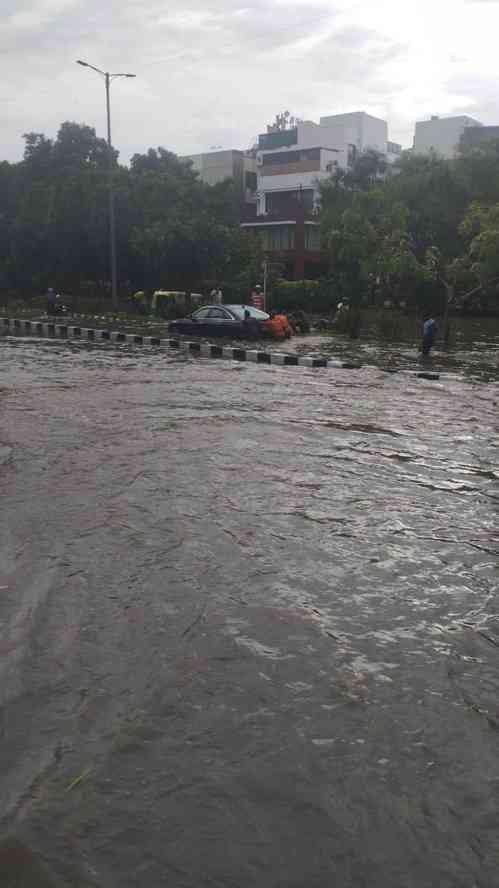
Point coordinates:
[(112, 226)]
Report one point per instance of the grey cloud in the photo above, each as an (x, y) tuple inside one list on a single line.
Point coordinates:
[(183, 65), (208, 73)]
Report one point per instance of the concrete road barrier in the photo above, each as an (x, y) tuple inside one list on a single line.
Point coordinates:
[(204, 349), (313, 362), (283, 360)]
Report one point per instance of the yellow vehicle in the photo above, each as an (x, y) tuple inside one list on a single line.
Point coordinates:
[(163, 301)]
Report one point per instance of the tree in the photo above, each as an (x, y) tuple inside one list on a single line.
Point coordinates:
[(435, 200), (182, 230), (172, 229), (353, 245), (480, 264), (417, 235), (477, 170), (367, 171)]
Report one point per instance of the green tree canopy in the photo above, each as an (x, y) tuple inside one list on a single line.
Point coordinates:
[(172, 229), (425, 229)]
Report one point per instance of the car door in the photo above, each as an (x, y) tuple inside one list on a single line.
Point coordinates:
[(221, 323)]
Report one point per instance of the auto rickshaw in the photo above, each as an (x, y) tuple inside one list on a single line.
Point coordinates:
[(167, 302), (163, 301)]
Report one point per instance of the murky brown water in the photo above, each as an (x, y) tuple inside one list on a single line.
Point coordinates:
[(474, 352), (248, 622)]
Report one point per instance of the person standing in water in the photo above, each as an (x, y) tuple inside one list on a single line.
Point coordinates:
[(51, 301), (216, 295), (429, 333)]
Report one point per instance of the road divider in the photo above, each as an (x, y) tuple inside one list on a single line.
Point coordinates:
[(204, 349)]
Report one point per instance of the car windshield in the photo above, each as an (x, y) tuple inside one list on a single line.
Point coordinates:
[(239, 312)]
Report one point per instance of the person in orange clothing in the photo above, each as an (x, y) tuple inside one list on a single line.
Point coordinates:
[(275, 327), (284, 324), (278, 326)]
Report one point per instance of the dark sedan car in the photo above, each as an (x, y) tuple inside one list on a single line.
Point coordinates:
[(240, 321)]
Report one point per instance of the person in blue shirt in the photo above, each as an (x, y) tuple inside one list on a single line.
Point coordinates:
[(429, 333), (51, 301)]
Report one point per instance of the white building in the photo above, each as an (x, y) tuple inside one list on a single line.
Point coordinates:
[(394, 152), (285, 176), (441, 135), (292, 162), (217, 166), (357, 128)]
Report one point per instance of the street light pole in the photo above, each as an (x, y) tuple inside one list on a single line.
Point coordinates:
[(112, 221)]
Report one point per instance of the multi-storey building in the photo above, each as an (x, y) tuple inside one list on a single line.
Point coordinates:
[(393, 152), (357, 128), (291, 163), (216, 166), (442, 135)]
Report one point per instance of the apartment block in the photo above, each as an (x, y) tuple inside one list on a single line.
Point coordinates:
[(216, 166), (291, 163), (442, 135)]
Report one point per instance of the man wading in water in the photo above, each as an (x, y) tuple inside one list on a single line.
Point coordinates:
[(429, 333)]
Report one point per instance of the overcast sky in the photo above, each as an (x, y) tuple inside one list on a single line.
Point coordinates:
[(215, 72)]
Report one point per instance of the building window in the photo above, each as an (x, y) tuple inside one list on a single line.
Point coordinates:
[(279, 237), (287, 157), (282, 202), (312, 237), (250, 180)]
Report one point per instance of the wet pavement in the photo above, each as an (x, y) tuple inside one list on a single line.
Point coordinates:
[(248, 622)]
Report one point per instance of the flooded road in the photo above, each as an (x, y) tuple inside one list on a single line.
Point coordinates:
[(248, 623)]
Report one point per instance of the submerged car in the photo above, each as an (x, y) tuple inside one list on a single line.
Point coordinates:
[(240, 321)]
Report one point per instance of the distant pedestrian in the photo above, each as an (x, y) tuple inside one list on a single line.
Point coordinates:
[(257, 298), (251, 327), (216, 296), (429, 333), (51, 301)]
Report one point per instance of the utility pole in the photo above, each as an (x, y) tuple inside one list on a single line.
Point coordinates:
[(112, 221), (112, 218)]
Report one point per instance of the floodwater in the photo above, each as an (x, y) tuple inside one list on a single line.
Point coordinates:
[(474, 352), (249, 628)]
